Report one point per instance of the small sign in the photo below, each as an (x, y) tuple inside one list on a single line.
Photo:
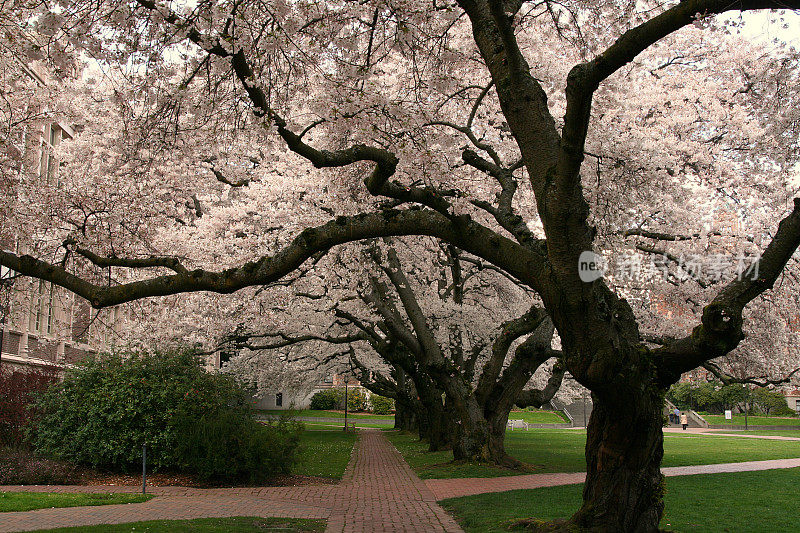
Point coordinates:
[(728, 414)]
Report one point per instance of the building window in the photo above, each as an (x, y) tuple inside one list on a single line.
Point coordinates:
[(42, 309), (279, 400), (48, 165), (102, 327), (225, 356)]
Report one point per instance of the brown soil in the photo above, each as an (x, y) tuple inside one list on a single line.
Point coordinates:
[(158, 479)]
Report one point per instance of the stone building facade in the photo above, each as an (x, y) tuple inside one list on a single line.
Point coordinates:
[(42, 324)]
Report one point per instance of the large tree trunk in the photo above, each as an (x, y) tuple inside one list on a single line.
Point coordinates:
[(498, 422), (475, 439), (436, 430), (624, 487), (405, 417)]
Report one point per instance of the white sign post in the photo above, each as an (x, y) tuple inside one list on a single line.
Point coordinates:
[(728, 414)]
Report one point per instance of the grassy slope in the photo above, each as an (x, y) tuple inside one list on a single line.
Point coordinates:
[(324, 453), (741, 502), (237, 524), (539, 417), (557, 450), (753, 420), (27, 501)]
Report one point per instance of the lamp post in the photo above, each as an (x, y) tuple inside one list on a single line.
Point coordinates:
[(6, 281), (746, 406), (345, 402), (585, 422)]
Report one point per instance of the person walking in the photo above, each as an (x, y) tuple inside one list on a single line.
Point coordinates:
[(676, 415), (684, 421)]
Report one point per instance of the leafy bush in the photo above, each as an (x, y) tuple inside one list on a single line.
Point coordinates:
[(771, 402), (19, 466), (356, 400), (105, 410), (230, 447), (18, 391), (381, 405), (327, 399)]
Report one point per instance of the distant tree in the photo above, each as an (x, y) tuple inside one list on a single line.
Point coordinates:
[(466, 370), (770, 401)]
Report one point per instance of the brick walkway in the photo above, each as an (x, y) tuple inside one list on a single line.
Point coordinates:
[(453, 488), (379, 493)]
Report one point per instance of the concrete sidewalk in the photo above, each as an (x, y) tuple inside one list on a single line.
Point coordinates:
[(720, 433)]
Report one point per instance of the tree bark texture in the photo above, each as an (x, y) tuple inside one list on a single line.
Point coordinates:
[(624, 489)]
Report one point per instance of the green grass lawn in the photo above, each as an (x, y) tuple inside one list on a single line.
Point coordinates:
[(562, 450), (738, 420), (554, 450), (323, 414), (27, 501), (741, 502), (539, 417), (324, 453), (238, 524)]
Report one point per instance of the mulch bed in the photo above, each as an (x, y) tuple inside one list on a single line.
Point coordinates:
[(22, 467), (159, 479)]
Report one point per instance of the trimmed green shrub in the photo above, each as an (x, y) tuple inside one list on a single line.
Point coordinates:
[(356, 400), (381, 405), (105, 410), (327, 399), (230, 447)]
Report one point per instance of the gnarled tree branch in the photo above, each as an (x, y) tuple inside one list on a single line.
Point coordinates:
[(720, 330)]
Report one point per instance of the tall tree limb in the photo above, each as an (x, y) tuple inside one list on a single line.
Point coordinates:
[(528, 266)]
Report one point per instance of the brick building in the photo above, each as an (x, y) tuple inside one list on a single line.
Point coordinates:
[(43, 324), (301, 399)]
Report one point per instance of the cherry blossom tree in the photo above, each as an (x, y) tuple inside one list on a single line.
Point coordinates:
[(432, 328), (448, 112)]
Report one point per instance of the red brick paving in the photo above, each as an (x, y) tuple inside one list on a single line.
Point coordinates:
[(379, 493)]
